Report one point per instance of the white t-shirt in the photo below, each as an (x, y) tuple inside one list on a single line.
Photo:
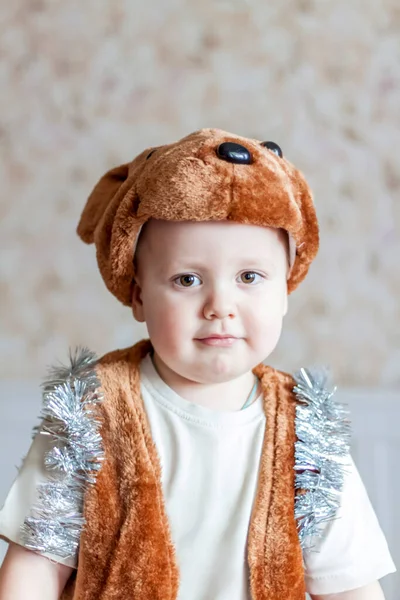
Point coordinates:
[(209, 462)]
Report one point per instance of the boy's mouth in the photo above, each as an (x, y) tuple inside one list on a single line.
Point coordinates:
[(218, 340)]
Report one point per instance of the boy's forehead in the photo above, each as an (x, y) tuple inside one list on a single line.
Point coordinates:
[(168, 240), (170, 233)]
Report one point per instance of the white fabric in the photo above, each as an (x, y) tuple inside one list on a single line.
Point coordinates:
[(209, 463)]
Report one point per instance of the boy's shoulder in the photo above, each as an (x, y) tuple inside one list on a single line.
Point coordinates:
[(322, 451), (132, 355), (115, 368), (317, 380)]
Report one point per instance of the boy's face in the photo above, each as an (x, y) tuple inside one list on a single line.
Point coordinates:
[(197, 280)]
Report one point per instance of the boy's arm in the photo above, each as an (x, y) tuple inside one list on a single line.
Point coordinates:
[(373, 591), (352, 551), (25, 574)]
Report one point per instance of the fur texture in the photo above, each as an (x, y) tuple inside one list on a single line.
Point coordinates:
[(187, 181), (126, 548)]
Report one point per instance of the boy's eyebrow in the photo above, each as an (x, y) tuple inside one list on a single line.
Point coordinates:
[(250, 262), (258, 261)]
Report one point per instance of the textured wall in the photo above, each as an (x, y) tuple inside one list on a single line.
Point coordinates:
[(88, 85)]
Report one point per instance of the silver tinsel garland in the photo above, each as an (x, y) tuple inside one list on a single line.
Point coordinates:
[(68, 417), (321, 454)]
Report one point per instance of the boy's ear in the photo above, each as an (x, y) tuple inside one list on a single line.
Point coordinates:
[(137, 303)]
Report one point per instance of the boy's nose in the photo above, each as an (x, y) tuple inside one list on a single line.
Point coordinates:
[(234, 153), (218, 307)]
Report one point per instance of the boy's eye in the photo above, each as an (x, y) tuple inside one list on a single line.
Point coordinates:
[(187, 280), (249, 277)]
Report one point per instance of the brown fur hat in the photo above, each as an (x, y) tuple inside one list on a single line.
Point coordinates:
[(208, 175)]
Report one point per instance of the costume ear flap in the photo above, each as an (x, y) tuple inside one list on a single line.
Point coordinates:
[(99, 199)]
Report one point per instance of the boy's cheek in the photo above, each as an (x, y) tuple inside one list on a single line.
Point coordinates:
[(168, 323)]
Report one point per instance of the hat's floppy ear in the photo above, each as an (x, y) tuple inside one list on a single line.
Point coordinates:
[(307, 241), (101, 196), (109, 220)]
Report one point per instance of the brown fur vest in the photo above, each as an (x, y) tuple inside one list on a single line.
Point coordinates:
[(126, 549)]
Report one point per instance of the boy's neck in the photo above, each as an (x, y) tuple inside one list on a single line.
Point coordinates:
[(229, 396)]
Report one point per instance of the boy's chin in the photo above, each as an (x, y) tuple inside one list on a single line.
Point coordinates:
[(221, 373)]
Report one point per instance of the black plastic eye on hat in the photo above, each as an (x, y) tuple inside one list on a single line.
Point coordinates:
[(234, 153), (274, 147)]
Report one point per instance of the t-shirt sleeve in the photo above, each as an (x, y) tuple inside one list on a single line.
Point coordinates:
[(23, 496), (353, 550)]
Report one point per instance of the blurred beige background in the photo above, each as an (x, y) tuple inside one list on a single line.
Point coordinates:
[(85, 86)]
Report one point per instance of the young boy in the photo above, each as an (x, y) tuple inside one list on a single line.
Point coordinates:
[(185, 466)]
